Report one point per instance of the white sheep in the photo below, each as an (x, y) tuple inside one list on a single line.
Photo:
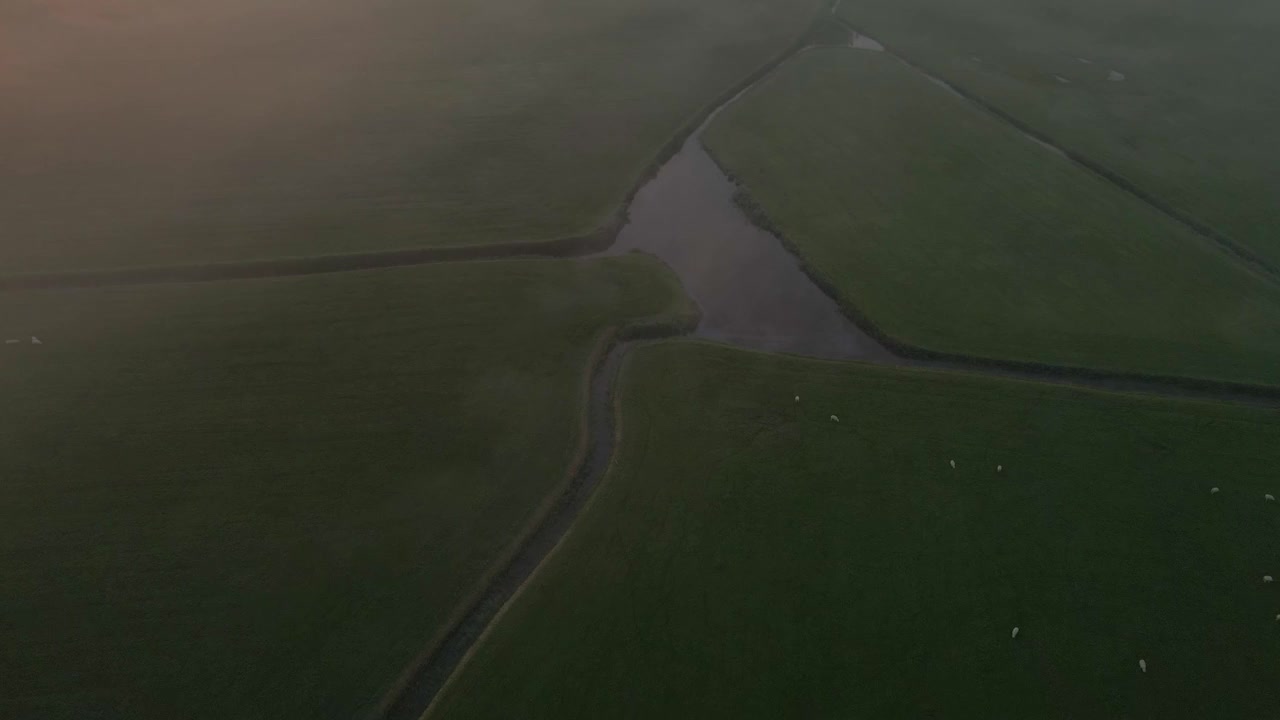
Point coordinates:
[(1270, 497), (797, 398), (1214, 491), (35, 340), (953, 464), (835, 419), (999, 468), (1267, 579), (1015, 633), (1142, 664)]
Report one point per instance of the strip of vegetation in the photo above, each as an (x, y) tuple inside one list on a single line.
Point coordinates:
[(751, 556)]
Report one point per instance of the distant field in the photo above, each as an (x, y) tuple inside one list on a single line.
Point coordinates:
[(263, 499), (139, 132), (1195, 120), (748, 557), (954, 232)]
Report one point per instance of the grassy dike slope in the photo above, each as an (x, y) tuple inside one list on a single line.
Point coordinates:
[(953, 232), (263, 499), (748, 557)]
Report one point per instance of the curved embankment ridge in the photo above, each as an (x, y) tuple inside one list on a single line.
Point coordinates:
[(414, 691)]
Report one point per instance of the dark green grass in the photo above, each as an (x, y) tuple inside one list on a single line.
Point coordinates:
[(748, 557), (1196, 120), (192, 132), (263, 499), (954, 232)]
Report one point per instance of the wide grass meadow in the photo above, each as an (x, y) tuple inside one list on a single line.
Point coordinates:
[(749, 557), (952, 231), (145, 133), (235, 499), (1191, 113), (263, 499)]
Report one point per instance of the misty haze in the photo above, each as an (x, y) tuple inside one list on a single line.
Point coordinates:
[(647, 358)]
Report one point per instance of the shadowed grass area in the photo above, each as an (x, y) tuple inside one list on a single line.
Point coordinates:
[(144, 133), (748, 557), (262, 499), (1192, 116), (953, 232)]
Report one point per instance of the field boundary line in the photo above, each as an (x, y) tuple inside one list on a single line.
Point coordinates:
[(624, 351), (1233, 248), (577, 458), (576, 246), (590, 242), (420, 683)]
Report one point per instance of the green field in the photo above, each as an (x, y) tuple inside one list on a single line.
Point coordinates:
[(748, 557), (1195, 121), (139, 132), (263, 499), (952, 231)]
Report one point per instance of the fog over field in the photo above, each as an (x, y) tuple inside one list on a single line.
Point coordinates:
[(145, 133)]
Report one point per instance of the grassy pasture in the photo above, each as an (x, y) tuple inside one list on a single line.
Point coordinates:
[(146, 133), (747, 557), (954, 232), (262, 499), (1195, 121)]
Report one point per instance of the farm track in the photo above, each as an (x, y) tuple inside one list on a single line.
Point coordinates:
[(421, 686)]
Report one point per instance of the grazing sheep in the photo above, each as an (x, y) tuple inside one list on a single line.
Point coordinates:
[(1267, 579), (953, 464), (35, 340), (1015, 633), (835, 419), (1214, 491), (1270, 497), (1142, 664), (999, 468)]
